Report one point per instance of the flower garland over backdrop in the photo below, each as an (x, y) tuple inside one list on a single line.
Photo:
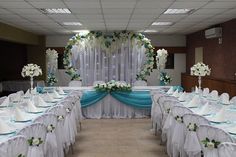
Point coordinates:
[(109, 43)]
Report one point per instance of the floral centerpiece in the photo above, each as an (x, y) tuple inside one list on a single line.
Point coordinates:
[(161, 58), (165, 78), (51, 79), (113, 86), (31, 70), (200, 69)]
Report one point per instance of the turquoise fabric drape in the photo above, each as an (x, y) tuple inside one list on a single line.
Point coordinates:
[(91, 97), (138, 99)]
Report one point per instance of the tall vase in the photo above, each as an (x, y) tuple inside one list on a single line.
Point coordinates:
[(199, 82), (31, 84)]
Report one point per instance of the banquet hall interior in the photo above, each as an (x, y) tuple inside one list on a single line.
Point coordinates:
[(117, 78)]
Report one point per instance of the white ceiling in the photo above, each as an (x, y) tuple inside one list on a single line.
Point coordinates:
[(109, 15)]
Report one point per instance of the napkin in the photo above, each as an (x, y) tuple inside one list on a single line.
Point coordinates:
[(225, 100), (40, 102), (204, 110), (205, 92), (31, 107), (48, 98), (196, 89), (34, 91), (182, 96), (4, 128), (170, 91), (232, 129), (55, 94), (5, 102), (220, 116), (176, 93), (194, 102), (60, 91), (19, 115), (27, 94)]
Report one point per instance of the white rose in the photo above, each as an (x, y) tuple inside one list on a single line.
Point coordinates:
[(35, 141), (210, 145)]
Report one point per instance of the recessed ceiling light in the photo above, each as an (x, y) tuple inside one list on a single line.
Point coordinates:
[(81, 32), (162, 23), (150, 31), (178, 11), (72, 23), (55, 11)]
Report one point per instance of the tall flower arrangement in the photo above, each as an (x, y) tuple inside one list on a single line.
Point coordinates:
[(52, 57), (31, 70), (108, 43), (165, 78), (200, 69), (161, 59)]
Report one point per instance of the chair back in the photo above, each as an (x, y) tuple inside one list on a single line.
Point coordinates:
[(180, 111), (195, 119), (75, 83), (140, 83), (47, 119), (14, 147), (227, 149)]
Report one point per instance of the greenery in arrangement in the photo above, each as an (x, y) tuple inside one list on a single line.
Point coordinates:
[(109, 43), (192, 127), (113, 86), (211, 144), (165, 78), (35, 141), (51, 79), (21, 155)]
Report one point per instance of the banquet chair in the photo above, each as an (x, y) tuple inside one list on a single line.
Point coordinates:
[(156, 112), (75, 83), (14, 147), (2, 99), (211, 134), (214, 95), (232, 100), (191, 144), (167, 119), (205, 92), (60, 112), (50, 146), (97, 82), (227, 149), (224, 96), (35, 132), (140, 83), (177, 137)]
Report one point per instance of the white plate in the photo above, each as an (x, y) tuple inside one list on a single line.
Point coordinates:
[(7, 133), (216, 121)]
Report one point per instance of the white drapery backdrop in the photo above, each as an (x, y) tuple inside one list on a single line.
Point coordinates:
[(120, 63)]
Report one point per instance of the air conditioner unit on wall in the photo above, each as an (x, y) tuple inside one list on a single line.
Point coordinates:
[(213, 33)]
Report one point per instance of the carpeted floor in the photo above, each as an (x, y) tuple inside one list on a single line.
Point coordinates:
[(117, 138)]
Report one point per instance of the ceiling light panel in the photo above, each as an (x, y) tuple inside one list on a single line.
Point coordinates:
[(55, 11), (162, 23), (178, 11), (72, 23)]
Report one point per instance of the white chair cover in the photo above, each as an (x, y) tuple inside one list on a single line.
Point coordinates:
[(212, 133), (75, 84), (60, 111), (50, 146), (140, 83), (214, 95), (227, 149), (2, 99), (36, 130), (156, 113), (233, 100), (191, 145), (179, 131), (14, 147), (97, 82)]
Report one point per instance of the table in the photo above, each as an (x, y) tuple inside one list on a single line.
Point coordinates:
[(109, 107)]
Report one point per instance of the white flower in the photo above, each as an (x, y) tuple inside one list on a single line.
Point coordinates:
[(68, 110), (35, 142), (210, 145), (200, 69)]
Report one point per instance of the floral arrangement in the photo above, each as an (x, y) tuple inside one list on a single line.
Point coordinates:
[(35, 141), (211, 144), (108, 43), (51, 79), (161, 58), (200, 69), (179, 119), (51, 54), (31, 70), (192, 127), (60, 117), (50, 128), (21, 155), (113, 86), (165, 79)]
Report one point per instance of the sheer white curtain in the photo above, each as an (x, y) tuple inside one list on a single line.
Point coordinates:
[(122, 63)]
